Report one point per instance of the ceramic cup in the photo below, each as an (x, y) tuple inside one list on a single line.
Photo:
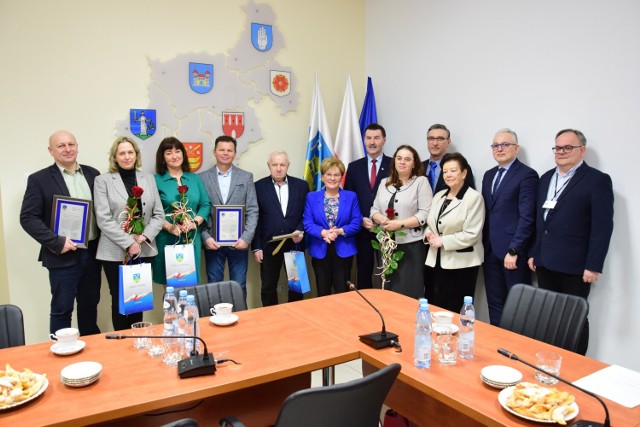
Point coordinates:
[(222, 310), (442, 317), (66, 338)]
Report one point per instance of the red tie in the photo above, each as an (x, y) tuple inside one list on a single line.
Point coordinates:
[(373, 173)]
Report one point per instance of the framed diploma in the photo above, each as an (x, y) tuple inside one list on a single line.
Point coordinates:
[(229, 223), (72, 218)]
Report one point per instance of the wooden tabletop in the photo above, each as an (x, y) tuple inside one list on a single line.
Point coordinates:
[(458, 387)]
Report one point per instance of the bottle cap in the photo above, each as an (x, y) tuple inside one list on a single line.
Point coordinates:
[(191, 298), (468, 300), (183, 292), (169, 288), (423, 301)]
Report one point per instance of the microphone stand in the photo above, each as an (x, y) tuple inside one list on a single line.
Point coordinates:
[(377, 340), (195, 365), (582, 423)]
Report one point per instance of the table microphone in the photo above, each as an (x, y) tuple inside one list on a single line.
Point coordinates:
[(581, 423), (377, 340), (195, 365)]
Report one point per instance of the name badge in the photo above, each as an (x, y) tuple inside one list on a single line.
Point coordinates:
[(549, 204)]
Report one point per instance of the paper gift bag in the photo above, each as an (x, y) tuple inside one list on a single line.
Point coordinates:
[(296, 267), (180, 265), (136, 288)]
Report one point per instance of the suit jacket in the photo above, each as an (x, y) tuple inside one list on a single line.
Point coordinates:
[(511, 212), (440, 185), (271, 221), (110, 198), (349, 218), (577, 232), (358, 181), (460, 227), (241, 192), (35, 214)]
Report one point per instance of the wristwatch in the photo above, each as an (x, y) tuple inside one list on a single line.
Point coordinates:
[(512, 252)]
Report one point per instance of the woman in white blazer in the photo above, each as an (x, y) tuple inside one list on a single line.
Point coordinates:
[(454, 233), (111, 191)]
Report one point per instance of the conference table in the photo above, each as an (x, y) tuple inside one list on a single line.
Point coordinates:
[(278, 347)]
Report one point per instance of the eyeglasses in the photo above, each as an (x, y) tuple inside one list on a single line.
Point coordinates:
[(436, 138), (503, 145), (565, 148)]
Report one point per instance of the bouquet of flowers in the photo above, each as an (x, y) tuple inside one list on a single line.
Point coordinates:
[(131, 220), (182, 215), (386, 244)]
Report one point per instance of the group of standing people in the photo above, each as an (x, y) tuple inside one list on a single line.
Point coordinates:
[(559, 226)]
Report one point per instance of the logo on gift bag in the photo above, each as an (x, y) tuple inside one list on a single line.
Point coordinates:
[(261, 36), (200, 77), (136, 277), (179, 256), (280, 83), (233, 124), (194, 154)]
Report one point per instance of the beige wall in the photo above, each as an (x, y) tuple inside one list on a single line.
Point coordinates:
[(79, 65)]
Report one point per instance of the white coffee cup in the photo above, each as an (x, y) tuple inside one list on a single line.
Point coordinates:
[(66, 338), (222, 309), (442, 317)]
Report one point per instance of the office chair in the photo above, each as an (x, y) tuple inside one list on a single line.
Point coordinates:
[(353, 404), (11, 326), (544, 315), (210, 294)]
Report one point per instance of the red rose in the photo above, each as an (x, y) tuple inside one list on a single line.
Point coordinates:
[(137, 191), (183, 189), (391, 213)]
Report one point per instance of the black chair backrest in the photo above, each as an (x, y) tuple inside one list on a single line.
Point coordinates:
[(545, 315), (11, 326), (354, 404), (210, 294)]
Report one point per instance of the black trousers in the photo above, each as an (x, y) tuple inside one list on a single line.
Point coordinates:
[(332, 272), (120, 321), (270, 275), (447, 288), (365, 259), (567, 284)]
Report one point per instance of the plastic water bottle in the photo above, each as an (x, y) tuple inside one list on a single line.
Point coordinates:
[(169, 306), (191, 317), (422, 347), (467, 335), (182, 303)]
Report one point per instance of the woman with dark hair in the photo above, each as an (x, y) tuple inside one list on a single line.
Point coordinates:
[(454, 234), (402, 205), (119, 238), (172, 175)]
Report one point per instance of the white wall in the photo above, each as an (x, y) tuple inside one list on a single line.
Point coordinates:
[(536, 67), (80, 65)]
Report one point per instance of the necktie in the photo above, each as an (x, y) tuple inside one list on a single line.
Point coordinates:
[(497, 181), (372, 180), (432, 175)]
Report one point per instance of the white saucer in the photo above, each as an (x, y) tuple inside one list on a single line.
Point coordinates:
[(81, 371), (226, 321), (66, 351), (438, 328), (500, 375)]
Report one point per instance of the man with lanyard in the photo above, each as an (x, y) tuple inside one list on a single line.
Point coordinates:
[(574, 222)]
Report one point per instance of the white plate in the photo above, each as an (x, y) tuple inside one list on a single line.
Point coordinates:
[(224, 321), (507, 392), (437, 328), (80, 371), (499, 374), (45, 384), (78, 384), (65, 351)]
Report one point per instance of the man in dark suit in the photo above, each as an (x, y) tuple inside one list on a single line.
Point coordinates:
[(574, 222), (364, 181), (509, 192), (438, 140), (281, 200), (74, 273)]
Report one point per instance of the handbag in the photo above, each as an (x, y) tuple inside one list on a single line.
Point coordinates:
[(136, 288), (296, 267), (180, 265)]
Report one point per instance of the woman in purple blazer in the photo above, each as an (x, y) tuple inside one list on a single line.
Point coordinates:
[(332, 219)]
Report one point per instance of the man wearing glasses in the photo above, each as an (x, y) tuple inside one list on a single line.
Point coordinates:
[(509, 192), (574, 222), (438, 140)]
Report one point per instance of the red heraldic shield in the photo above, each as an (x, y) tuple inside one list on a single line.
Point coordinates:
[(233, 124)]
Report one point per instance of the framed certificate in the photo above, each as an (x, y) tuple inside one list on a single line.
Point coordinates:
[(72, 218), (229, 223)]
